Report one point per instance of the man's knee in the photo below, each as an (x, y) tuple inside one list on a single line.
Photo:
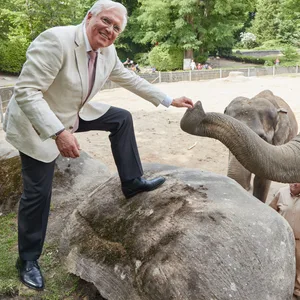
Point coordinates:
[(126, 117)]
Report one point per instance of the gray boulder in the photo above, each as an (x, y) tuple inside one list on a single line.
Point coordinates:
[(199, 236)]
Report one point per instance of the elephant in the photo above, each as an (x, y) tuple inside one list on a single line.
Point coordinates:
[(271, 118), (279, 163)]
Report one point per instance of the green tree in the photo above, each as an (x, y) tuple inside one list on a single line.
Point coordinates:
[(289, 27), (266, 23), (190, 24)]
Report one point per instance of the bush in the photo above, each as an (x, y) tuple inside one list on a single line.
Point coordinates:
[(166, 58), (201, 58), (290, 53), (13, 55), (142, 59), (246, 59), (270, 45), (248, 40)]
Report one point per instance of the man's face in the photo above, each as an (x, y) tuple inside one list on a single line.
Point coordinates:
[(295, 188), (103, 29)]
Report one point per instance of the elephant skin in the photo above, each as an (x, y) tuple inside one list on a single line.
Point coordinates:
[(197, 237), (277, 163), (271, 118)]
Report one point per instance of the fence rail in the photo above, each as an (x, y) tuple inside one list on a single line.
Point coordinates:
[(158, 77)]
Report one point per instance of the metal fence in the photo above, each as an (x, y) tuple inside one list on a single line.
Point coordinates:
[(158, 77), (196, 75)]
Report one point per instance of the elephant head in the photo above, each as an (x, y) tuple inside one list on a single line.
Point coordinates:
[(271, 118), (278, 163)]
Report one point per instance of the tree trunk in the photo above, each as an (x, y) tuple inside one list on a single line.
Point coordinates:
[(188, 54)]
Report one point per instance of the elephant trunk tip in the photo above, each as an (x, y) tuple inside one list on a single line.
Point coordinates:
[(192, 118)]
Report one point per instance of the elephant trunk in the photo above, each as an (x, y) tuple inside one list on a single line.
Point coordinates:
[(277, 163)]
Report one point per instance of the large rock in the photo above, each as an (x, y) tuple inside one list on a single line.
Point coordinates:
[(199, 236)]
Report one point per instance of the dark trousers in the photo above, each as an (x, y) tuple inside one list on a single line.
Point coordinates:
[(38, 176)]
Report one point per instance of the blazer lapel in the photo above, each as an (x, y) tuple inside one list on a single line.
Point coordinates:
[(82, 61)]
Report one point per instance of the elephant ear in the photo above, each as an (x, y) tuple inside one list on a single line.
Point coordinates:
[(282, 128)]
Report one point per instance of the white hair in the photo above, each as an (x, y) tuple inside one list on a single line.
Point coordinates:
[(101, 5)]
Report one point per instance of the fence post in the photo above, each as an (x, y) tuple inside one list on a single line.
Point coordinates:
[(297, 68), (159, 76), (220, 73), (190, 75), (273, 70), (248, 72)]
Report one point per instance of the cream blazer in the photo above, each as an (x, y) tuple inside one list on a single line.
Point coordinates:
[(50, 92)]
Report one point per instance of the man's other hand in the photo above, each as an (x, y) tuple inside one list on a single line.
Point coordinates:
[(182, 102), (67, 144)]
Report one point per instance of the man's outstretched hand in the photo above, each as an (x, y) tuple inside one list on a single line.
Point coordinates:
[(67, 144), (182, 102)]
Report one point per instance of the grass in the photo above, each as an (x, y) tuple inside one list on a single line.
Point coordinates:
[(59, 283), (8, 255)]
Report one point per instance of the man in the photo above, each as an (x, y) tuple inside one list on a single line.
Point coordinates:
[(65, 68), (287, 203)]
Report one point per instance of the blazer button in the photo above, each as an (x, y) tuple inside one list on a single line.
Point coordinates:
[(71, 127)]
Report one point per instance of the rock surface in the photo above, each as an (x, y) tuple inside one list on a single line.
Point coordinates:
[(199, 236)]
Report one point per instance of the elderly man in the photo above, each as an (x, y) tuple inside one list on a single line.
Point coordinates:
[(65, 68), (287, 203)]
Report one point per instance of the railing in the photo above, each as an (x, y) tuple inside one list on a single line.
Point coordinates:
[(158, 77), (196, 75)]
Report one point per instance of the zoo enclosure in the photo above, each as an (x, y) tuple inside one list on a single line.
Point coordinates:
[(158, 77)]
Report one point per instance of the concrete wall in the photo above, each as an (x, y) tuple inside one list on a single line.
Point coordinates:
[(260, 53)]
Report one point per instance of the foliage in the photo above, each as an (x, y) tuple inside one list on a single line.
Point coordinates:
[(201, 58), (191, 24), (290, 53), (12, 55), (203, 27), (248, 39), (8, 255), (142, 59), (246, 59), (166, 58), (289, 27), (270, 45), (266, 22)]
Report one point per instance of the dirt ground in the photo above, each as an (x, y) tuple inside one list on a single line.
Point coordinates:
[(159, 137)]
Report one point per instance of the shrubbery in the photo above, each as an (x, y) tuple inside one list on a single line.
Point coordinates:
[(13, 55), (142, 59), (248, 40), (246, 59), (166, 58)]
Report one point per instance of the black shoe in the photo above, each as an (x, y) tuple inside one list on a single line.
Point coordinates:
[(140, 184), (30, 274)]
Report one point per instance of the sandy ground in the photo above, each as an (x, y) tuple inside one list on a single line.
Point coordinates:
[(158, 133)]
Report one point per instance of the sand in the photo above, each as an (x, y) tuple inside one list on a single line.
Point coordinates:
[(158, 134)]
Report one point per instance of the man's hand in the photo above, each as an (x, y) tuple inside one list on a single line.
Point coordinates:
[(182, 102), (67, 144)]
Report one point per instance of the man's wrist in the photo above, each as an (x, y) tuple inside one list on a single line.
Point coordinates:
[(55, 136)]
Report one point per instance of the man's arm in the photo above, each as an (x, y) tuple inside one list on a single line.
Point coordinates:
[(44, 60), (274, 202), (143, 88)]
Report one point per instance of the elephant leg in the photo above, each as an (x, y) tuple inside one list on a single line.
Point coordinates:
[(261, 188), (237, 172)]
